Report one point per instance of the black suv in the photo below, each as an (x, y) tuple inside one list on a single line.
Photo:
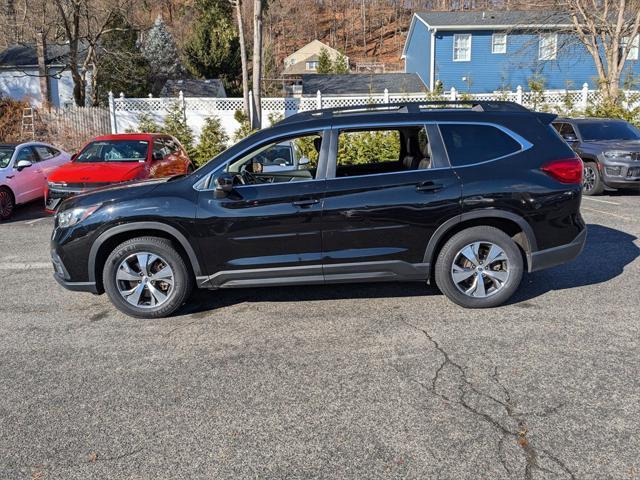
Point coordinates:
[(466, 194), (610, 150)]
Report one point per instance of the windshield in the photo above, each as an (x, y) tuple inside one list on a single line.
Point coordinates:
[(114, 151), (608, 131), (5, 156)]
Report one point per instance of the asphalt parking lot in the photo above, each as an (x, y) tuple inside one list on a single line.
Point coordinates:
[(344, 381)]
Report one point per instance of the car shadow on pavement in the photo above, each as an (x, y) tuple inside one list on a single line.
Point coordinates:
[(606, 253), (207, 300)]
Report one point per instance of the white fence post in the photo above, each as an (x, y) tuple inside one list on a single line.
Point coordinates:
[(318, 100), (386, 95), (454, 94), (251, 107), (183, 105), (519, 95), (112, 114), (585, 96)]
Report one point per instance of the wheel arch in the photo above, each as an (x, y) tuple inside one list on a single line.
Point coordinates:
[(114, 236), (511, 223)]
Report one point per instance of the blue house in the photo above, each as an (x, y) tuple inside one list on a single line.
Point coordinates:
[(481, 52)]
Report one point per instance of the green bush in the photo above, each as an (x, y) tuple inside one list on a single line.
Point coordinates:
[(244, 130), (213, 141), (175, 124), (368, 147), (614, 110)]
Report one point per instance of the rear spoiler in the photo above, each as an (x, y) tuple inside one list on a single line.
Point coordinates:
[(546, 118)]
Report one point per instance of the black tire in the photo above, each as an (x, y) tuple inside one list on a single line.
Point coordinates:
[(7, 203), (592, 183), (177, 293), (450, 254)]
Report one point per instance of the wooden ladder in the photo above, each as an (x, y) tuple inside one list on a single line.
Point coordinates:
[(28, 123)]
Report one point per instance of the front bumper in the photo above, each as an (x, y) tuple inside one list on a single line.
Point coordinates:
[(621, 174), (552, 257), (60, 192), (61, 276)]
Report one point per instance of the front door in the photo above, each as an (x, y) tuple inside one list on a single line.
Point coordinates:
[(269, 226), (390, 190), (27, 183)]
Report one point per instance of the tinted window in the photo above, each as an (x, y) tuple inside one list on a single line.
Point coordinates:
[(468, 144), (5, 156), (114, 151), (26, 154), (43, 152), (53, 151), (608, 131)]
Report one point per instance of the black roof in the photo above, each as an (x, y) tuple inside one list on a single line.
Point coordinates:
[(194, 88), (24, 55), (503, 18), (362, 83)]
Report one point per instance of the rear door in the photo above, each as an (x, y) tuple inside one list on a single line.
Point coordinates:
[(387, 191)]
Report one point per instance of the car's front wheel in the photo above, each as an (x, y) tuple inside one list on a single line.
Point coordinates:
[(479, 267), (147, 278), (591, 180)]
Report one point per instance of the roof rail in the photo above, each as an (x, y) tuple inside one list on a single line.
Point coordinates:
[(408, 107)]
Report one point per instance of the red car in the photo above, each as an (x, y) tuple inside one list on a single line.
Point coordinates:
[(115, 159)]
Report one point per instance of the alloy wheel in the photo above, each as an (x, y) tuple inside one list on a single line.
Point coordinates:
[(145, 280), (480, 269), (589, 177)]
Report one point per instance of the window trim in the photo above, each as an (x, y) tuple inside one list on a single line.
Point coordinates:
[(632, 46), (542, 37), (493, 43), (458, 35)]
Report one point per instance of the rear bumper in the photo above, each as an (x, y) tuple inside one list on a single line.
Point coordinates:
[(557, 255)]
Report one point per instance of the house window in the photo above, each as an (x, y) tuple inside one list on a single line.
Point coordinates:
[(499, 43), (632, 52), (548, 47), (312, 65), (462, 47)]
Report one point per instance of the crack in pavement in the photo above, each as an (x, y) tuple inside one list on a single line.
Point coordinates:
[(466, 388)]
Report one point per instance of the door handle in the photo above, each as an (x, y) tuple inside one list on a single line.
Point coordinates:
[(10, 176), (306, 203), (429, 187)]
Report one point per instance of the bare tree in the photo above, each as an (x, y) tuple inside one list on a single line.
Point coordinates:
[(237, 4), (608, 29), (257, 64)]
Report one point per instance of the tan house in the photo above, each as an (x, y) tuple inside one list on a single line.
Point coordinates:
[(305, 60)]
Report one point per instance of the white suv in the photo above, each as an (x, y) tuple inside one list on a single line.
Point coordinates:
[(24, 169)]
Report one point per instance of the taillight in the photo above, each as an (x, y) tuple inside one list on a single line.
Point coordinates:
[(566, 170)]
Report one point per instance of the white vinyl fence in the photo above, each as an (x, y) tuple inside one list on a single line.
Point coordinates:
[(126, 112)]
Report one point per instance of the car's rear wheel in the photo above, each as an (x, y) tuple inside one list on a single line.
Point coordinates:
[(591, 180), (147, 278), (7, 203), (479, 267)]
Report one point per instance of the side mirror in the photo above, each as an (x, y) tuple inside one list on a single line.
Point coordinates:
[(22, 164), (303, 161), (569, 138), (224, 185), (157, 156), (74, 156)]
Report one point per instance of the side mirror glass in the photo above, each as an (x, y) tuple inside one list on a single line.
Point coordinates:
[(22, 164), (569, 138), (224, 185), (74, 156), (303, 161)]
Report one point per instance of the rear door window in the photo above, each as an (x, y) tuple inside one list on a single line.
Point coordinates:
[(471, 143), (43, 152)]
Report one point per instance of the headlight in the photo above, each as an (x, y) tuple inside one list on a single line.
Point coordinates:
[(619, 155), (68, 218)]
